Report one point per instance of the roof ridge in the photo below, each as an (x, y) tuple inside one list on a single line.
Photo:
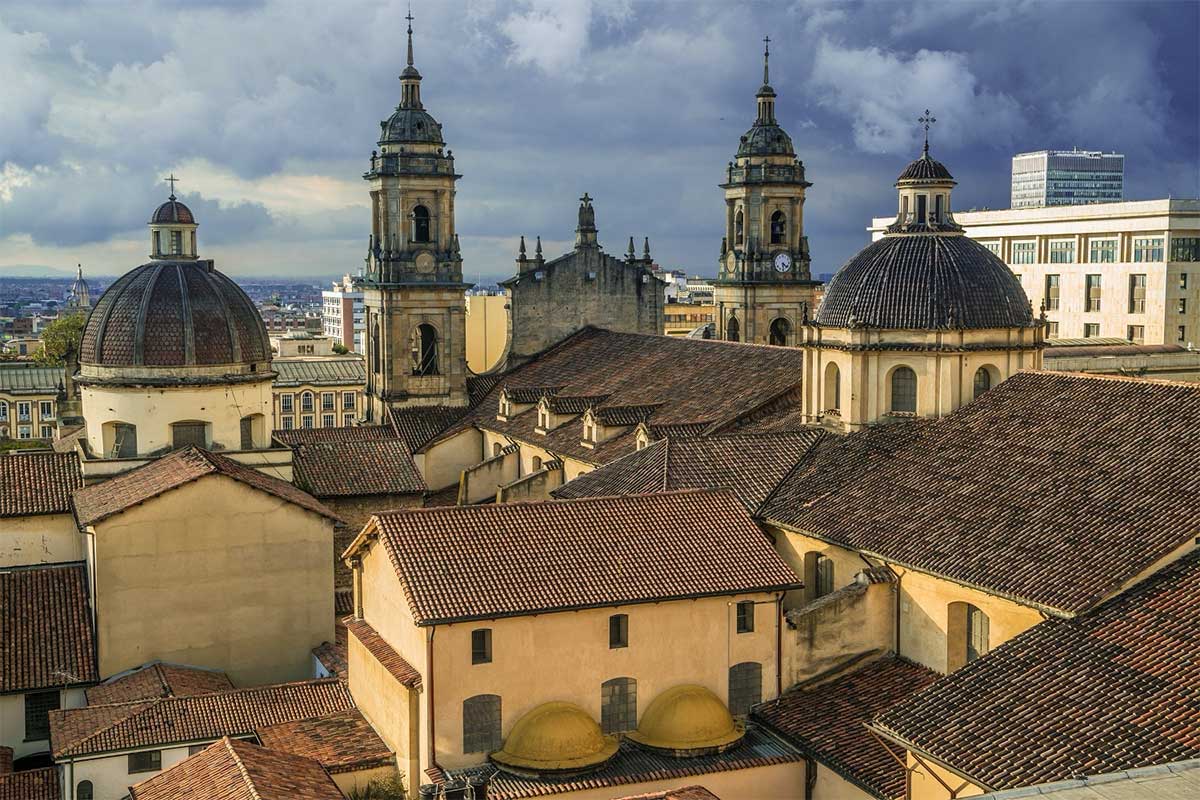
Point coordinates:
[(237, 759), (133, 712), (399, 512), (1114, 378)]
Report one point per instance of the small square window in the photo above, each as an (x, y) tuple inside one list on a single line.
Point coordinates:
[(618, 631), (481, 646), (148, 761), (1091, 330), (1183, 305), (745, 617)]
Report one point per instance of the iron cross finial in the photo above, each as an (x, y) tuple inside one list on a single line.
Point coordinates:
[(926, 120), (585, 199), (172, 180)]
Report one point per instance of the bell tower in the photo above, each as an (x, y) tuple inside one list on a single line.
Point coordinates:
[(413, 287), (764, 289)]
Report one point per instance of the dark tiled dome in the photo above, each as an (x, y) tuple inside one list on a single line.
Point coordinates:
[(766, 140), (174, 314), (173, 211), (410, 125), (925, 282), (925, 169)]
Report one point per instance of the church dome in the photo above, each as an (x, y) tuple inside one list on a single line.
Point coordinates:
[(925, 282), (175, 314), (172, 211), (925, 169), (688, 720), (766, 140), (410, 126), (555, 738)]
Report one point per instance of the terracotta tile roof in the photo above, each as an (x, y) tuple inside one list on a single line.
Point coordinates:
[(344, 433), (1053, 489), (565, 440), (383, 652), (67, 437), (96, 502), (633, 765), (157, 679), (235, 770), (341, 742), (46, 628), (827, 720), (169, 720), (749, 466), (786, 420), (481, 562), (416, 425), (682, 793), (332, 655), (34, 784), (1113, 689), (349, 469), (638, 370), (38, 483)]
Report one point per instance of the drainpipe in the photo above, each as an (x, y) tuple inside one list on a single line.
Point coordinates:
[(779, 645), (896, 590), (432, 731)]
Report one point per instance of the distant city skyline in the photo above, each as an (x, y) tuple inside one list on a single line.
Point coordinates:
[(268, 117)]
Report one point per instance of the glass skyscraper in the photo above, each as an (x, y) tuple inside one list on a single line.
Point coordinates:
[(1066, 178)]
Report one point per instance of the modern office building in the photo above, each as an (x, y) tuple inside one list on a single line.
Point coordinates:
[(1066, 178), (342, 313), (1115, 270)]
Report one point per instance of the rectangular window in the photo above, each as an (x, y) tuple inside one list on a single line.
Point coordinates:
[(1024, 253), (745, 617), (349, 401), (1103, 251), (1062, 251), (47, 432), (1183, 280), (185, 434), (1137, 294), (618, 705), (327, 399), (1052, 284), (24, 412), (306, 401), (3, 411), (46, 409), (938, 201), (25, 432), (176, 243), (1136, 333), (1148, 249), (1091, 330), (1182, 310), (618, 631), (481, 646), (196, 748), (306, 421), (38, 706), (993, 246), (328, 420), (1091, 300), (148, 761), (824, 576), (1185, 248), (922, 202), (1182, 333), (287, 403), (247, 432), (348, 420), (288, 423), (1051, 330)]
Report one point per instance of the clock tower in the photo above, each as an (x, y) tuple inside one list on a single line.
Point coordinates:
[(764, 289), (413, 293)]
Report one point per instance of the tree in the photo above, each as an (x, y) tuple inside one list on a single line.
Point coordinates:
[(340, 349), (61, 340)]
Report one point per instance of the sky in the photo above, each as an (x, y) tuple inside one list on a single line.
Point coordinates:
[(268, 112)]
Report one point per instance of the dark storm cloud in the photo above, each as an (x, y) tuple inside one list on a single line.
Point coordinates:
[(640, 104)]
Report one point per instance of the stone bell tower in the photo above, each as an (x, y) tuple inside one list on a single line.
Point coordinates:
[(413, 288), (764, 288)]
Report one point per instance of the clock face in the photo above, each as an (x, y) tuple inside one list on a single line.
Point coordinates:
[(783, 262), (425, 262)]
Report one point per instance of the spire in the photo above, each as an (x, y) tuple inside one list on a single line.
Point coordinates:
[(766, 59), (521, 252), (630, 254), (646, 249), (537, 253), (926, 121), (766, 95), (410, 78), (410, 19), (585, 234), (79, 272)]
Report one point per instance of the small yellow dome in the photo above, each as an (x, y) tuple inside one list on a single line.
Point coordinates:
[(688, 720), (554, 738)]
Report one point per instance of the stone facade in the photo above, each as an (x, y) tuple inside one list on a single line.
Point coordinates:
[(550, 300)]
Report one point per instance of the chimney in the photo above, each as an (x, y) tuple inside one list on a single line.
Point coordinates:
[(6, 760)]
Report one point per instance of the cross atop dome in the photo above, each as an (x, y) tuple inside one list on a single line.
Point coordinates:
[(926, 120), (172, 180)]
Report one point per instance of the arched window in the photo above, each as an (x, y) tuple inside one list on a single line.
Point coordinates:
[(778, 228), (481, 724), (496, 448), (939, 201), (307, 400), (904, 390), (922, 202), (537, 463), (833, 388), (120, 440), (968, 635), (745, 687), (84, 791), (733, 330), (618, 705), (375, 347), (780, 330), (738, 228), (420, 217), (983, 381), (424, 350)]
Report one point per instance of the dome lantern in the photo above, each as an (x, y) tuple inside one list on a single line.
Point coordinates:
[(923, 201), (173, 229)]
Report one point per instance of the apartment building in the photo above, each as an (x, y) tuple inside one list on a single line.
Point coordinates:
[(29, 400), (1067, 178), (317, 392), (342, 313), (1127, 270)]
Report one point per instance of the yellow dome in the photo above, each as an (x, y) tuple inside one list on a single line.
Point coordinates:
[(554, 738), (688, 720)]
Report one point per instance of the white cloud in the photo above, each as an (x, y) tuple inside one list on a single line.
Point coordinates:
[(554, 35), (883, 93)]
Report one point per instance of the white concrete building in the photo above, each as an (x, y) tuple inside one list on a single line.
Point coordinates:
[(1127, 270), (342, 313)]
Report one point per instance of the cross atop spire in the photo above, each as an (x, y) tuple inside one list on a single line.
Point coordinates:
[(766, 59), (926, 120), (409, 17), (172, 180), (585, 199)]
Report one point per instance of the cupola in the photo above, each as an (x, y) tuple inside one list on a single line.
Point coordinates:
[(173, 229), (555, 739), (686, 721)]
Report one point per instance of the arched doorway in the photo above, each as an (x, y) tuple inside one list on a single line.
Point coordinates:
[(733, 331), (781, 329)]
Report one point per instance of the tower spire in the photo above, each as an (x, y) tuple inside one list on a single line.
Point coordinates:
[(766, 60), (410, 19)]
